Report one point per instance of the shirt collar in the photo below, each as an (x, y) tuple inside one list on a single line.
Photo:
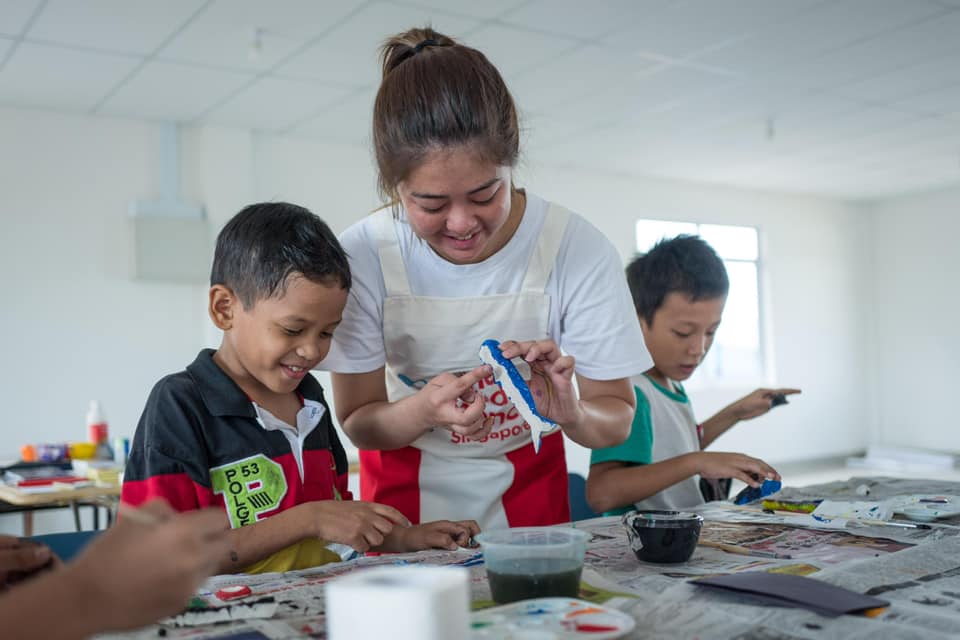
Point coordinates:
[(223, 397)]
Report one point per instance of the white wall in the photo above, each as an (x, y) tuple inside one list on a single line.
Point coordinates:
[(814, 279), (917, 306), (75, 326)]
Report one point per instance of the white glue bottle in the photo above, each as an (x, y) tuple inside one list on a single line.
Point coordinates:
[(97, 431)]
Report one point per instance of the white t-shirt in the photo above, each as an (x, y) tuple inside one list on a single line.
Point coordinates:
[(591, 313), (674, 434)]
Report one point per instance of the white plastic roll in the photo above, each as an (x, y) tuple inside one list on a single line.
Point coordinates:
[(399, 603)]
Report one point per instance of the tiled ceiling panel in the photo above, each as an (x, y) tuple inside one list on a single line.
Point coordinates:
[(845, 98), (932, 38), (6, 48), (125, 26), (513, 50), (15, 14), (905, 81), (943, 101), (255, 35), (685, 28), (483, 10), (577, 74), (582, 20), (173, 91), (813, 33), (60, 78), (344, 122), (257, 106), (349, 54), (639, 94)]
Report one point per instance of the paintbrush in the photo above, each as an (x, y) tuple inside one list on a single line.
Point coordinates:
[(888, 523), (744, 551)]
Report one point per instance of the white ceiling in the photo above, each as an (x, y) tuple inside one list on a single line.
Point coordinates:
[(842, 98)]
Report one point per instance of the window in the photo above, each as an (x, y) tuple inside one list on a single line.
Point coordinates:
[(737, 354)]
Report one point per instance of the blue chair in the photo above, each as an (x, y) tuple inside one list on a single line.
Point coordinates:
[(577, 488), (66, 545)]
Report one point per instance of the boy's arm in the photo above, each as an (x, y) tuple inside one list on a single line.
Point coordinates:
[(357, 524), (439, 534), (614, 485), (750, 406), (622, 475), (141, 569), (615, 464), (360, 525)]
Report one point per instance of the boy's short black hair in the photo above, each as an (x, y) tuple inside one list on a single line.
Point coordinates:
[(263, 244), (685, 264)]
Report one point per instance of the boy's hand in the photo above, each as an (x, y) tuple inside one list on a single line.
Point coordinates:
[(361, 525), (148, 564), (22, 557), (440, 534), (752, 471), (451, 401), (757, 403), (552, 381)]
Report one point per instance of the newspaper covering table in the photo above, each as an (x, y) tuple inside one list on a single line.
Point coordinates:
[(917, 570)]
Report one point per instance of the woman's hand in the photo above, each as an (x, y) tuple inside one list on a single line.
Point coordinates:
[(551, 382), (451, 401)]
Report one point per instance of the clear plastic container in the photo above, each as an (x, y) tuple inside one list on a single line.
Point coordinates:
[(533, 562)]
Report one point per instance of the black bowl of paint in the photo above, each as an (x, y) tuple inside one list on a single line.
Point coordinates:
[(663, 536)]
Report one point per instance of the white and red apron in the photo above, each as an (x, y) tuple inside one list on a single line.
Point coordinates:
[(498, 481)]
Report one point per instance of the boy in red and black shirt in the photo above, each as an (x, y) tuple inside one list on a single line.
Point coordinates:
[(247, 426)]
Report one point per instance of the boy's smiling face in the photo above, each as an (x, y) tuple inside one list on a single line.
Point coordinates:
[(680, 334), (268, 349)]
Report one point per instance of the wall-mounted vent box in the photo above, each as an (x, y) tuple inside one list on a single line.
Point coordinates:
[(172, 248)]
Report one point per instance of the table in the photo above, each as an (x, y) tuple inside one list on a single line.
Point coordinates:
[(106, 496), (917, 570)]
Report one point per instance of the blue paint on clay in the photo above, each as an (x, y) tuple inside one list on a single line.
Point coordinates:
[(521, 385), (751, 494)]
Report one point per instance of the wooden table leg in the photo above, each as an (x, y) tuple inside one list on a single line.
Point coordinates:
[(28, 523)]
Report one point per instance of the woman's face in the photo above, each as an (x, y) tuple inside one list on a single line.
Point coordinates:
[(461, 205)]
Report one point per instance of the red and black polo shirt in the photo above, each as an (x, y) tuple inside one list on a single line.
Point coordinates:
[(199, 443)]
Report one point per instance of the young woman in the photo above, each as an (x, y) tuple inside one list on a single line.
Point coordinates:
[(462, 255)]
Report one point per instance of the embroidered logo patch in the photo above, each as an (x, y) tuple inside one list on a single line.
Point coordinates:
[(250, 487)]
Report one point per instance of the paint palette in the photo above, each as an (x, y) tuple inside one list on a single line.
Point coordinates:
[(927, 508), (550, 619)]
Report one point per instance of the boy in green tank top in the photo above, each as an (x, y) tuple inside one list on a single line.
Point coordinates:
[(679, 289)]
